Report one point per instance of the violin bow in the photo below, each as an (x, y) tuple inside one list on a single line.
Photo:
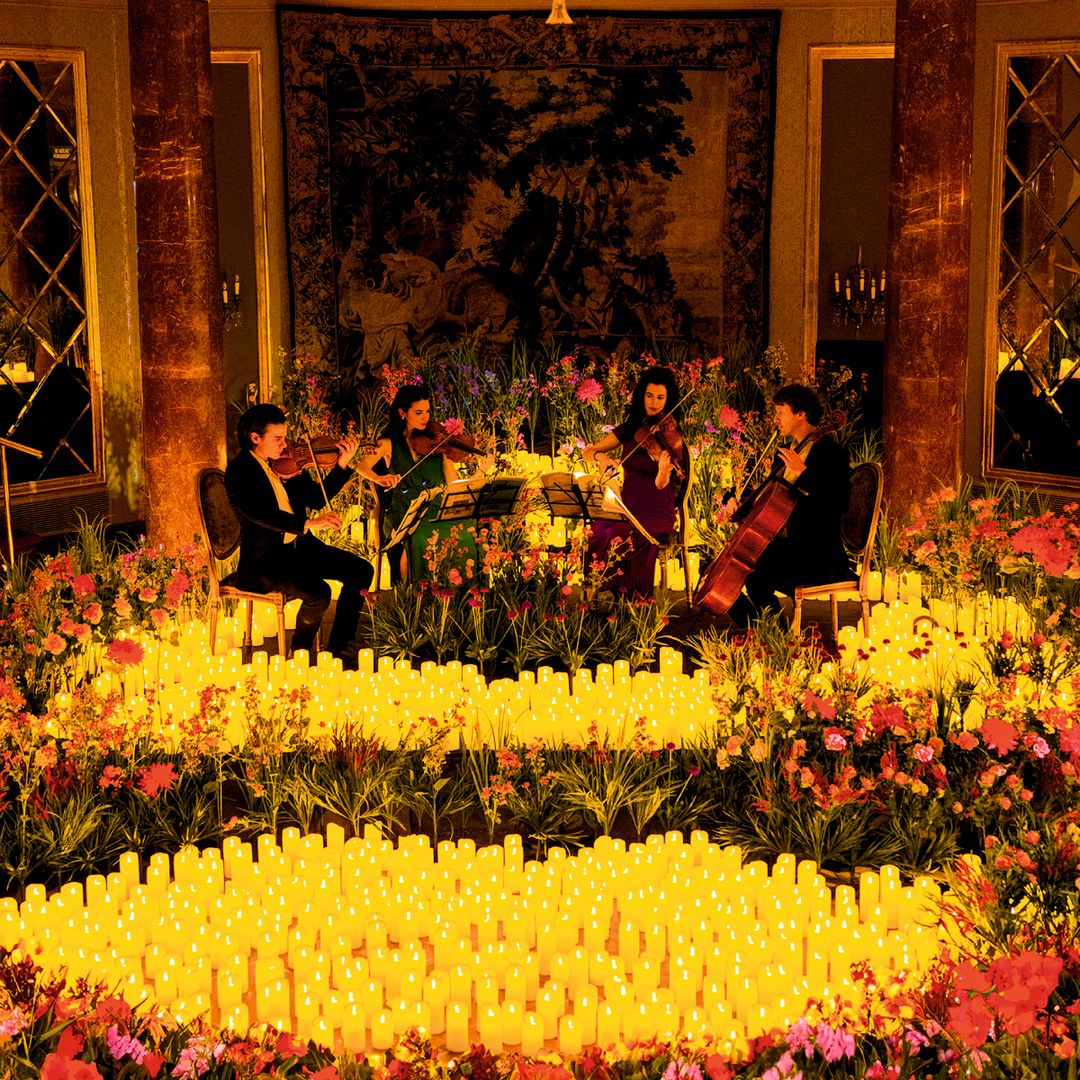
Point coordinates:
[(420, 460), (318, 472)]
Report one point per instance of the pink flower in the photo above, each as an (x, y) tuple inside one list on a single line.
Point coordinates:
[(124, 652), (453, 426), (159, 617), (84, 585), (122, 607), (924, 753), (588, 391), (82, 633), (729, 418), (111, 776), (148, 594), (454, 575), (835, 739), (122, 1046), (92, 613), (54, 644), (1049, 545), (157, 778)]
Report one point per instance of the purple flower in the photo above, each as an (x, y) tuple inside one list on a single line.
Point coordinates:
[(833, 1043), (122, 1046)]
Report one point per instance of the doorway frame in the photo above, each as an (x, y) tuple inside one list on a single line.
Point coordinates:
[(817, 56)]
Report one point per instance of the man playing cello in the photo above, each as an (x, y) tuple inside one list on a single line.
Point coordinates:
[(808, 550)]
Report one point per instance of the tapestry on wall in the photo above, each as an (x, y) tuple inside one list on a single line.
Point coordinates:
[(604, 184)]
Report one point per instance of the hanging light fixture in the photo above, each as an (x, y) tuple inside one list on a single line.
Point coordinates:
[(859, 296), (559, 15)]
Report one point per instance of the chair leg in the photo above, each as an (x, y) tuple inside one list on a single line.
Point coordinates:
[(834, 607), (281, 631), (213, 617), (796, 616), (248, 636), (865, 615)]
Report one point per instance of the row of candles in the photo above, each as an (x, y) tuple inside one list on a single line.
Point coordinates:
[(909, 646), (352, 942)]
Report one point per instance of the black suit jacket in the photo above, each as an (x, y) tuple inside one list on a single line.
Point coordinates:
[(824, 490), (263, 524)]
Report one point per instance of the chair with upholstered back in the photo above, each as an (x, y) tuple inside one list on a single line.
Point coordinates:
[(679, 543), (858, 527), (221, 532)]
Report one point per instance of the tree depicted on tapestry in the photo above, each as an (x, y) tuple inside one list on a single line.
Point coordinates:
[(488, 179)]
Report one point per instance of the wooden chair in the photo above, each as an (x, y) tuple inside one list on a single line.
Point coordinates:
[(221, 532), (858, 527), (679, 541)]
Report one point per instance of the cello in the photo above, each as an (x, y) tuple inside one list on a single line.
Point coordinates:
[(763, 513)]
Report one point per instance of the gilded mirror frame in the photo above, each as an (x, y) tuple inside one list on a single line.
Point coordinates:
[(94, 475), (1025, 325)]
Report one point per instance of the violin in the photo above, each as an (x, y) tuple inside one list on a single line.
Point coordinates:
[(662, 436), (436, 439), (323, 452)]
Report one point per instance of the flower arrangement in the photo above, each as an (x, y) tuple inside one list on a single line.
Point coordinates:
[(55, 616), (999, 542)]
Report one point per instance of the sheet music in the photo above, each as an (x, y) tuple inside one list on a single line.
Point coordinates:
[(586, 496), (412, 517)]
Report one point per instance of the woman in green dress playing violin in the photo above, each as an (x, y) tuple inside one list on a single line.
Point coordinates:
[(415, 463)]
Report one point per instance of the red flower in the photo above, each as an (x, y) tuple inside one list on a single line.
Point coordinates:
[(84, 585), (125, 652), (999, 735), (56, 1067), (155, 779)]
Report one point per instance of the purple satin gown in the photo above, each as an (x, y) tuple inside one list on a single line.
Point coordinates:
[(632, 568)]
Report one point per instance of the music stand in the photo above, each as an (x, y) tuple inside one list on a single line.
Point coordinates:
[(495, 498), (5, 446), (412, 517), (566, 496)]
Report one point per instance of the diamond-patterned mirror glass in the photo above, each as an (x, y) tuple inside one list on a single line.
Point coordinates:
[(1037, 399), (45, 374)]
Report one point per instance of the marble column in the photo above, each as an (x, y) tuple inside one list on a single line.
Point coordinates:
[(180, 315), (928, 249)]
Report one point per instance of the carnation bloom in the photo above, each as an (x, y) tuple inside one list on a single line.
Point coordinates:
[(124, 652), (54, 643), (84, 585), (156, 778), (588, 391)]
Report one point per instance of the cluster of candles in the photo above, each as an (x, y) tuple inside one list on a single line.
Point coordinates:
[(910, 645), (352, 942)]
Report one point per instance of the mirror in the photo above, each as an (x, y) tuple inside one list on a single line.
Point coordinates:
[(1035, 374), (47, 384)]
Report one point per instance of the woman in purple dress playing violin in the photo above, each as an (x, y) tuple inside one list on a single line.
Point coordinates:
[(653, 462)]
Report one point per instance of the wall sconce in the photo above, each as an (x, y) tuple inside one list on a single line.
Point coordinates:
[(233, 315), (860, 296), (559, 15)]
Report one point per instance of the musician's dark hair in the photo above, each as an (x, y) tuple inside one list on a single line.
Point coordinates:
[(801, 399), (255, 422), (405, 398), (657, 375)]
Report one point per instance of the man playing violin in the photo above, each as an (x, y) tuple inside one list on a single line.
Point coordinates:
[(809, 550), (278, 547), (652, 457)]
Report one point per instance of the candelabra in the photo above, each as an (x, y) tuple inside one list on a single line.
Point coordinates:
[(860, 296), (233, 316)]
